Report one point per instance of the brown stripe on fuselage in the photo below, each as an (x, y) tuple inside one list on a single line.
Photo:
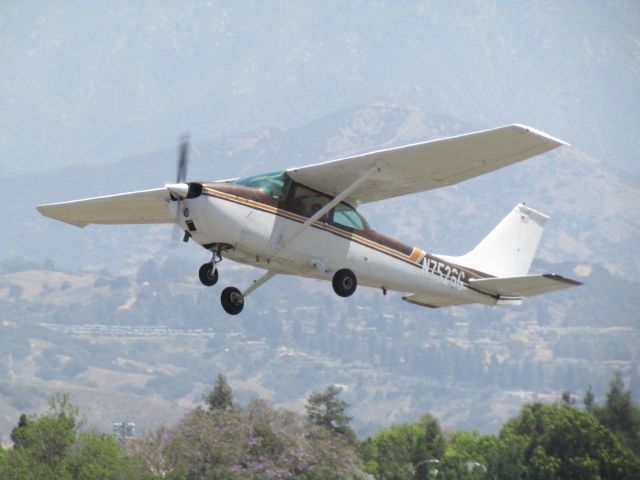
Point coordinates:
[(255, 198)]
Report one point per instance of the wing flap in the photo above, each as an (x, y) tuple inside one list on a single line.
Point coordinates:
[(141, 207), (427, 165), (524, 286), (433, 301)]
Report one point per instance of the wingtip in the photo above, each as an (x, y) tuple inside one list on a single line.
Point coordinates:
[(540, 133), (45, 210), (559, 278)]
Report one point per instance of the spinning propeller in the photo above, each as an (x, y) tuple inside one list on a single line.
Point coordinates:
[(180, 190)]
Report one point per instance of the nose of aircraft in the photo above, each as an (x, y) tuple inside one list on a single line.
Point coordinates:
[(179, 190)]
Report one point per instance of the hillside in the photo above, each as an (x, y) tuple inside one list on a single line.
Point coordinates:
[(116, 316), (145, 347)]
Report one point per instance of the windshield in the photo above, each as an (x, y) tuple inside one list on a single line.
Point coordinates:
[(275, 184)]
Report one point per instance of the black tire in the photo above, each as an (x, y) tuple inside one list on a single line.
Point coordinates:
[(208, 274), (344, 282), (232, 300)]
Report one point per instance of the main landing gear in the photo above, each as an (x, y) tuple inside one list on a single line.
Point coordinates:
[(232, 300), (344, 282)]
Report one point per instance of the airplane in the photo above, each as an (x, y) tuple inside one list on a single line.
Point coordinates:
[(304, 221)]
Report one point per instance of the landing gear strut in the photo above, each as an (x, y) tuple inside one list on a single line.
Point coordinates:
[(233, 300)]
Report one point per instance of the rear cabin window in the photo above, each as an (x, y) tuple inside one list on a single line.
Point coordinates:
[(346, 216), (275, 184)]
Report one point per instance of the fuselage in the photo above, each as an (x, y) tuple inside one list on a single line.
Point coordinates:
[(251, 222)]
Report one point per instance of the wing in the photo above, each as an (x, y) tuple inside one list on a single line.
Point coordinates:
[(146, 206), (427, 165), (525, 286)]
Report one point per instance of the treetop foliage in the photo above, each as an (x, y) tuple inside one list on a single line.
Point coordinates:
[(221, 397), (409, 450), (51, 446), (619, 413), (542, 442), (327, 410), (258, 441)]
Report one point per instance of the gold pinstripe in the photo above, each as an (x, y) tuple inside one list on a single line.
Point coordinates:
[(417, 254)]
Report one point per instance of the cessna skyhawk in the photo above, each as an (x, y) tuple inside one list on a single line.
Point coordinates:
[(303, 221)]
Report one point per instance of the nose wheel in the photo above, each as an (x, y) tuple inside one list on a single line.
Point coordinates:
[(232, 300), (208, 274)]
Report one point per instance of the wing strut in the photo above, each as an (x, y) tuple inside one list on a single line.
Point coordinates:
[(320, 213), (315, 217)]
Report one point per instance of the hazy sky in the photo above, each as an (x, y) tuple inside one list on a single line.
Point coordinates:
[(87, 82)]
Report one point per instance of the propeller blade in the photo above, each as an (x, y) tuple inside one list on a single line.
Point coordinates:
[(180, 189), (183, 159)]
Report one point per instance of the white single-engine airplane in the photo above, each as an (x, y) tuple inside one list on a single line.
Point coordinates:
[(302, 221)]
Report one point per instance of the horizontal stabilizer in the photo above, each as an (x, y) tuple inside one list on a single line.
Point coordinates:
[(145, 206), (525, 286), (434, 301)]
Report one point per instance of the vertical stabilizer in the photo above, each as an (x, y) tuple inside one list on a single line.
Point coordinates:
[(510, 247)]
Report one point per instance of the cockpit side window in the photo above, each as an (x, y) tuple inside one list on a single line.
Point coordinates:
[(306, 201), (347, 216), (275, 184)]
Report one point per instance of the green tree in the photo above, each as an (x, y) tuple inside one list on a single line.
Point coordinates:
[(469, 454), (560, 441), (221, 397), (391, 452), (47, 438), (96, 455), (41, 443), (327, 410), (16, 465), (620, 414), (432, 445), (589, 398), (18, 433), (50, 447), (405, 451)]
